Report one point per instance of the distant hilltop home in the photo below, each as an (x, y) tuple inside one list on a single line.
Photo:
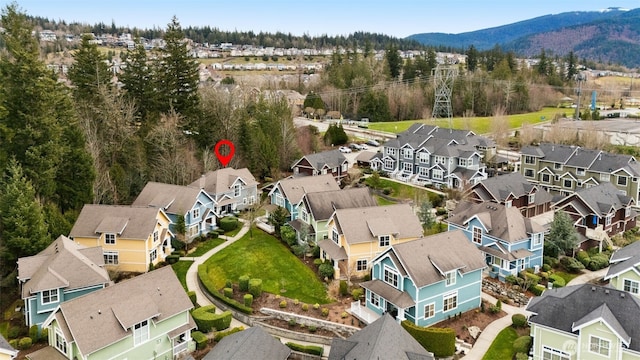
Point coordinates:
[(327, 162), (564, 169), (132, 237), (231, 189), (61, 272), (427, 154)]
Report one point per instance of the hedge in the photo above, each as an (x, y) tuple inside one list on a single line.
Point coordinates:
[(172, 259), (34, 334), (243, 283), (583, 257), (518, 320), (200, 339), (597, 262), (193, 297), (307, 349), (25, 343), (14, 343), (208, 284), (207, 320), (228, 292), (248, 300), (228, 223), (538, 290), (221, 334), (440, 341), (557, 280), (522, 344), (571, 265), (255, 287)]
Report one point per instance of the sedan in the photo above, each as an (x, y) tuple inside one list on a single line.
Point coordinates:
[(373, 143), (344, 149)]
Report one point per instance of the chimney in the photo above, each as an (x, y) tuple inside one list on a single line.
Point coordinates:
[(202, 181)]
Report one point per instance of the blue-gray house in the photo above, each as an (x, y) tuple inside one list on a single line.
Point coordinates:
[(425, 280), (61, 272), (192, 202), (288, 192), (510, 241)]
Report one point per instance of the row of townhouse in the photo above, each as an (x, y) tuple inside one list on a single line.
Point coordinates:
[(430, 155)]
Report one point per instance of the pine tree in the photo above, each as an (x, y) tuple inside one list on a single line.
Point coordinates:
[(89, 71), (394, 61), (137, 81), (562, 237), (472, 58)]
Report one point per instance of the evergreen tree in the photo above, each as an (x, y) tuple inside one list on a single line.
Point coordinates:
[(472, 58), (375, 106), (572, 66), (394, 61), (425, 214), (543, 64), (89, 71), (562, 237), (137, 81)]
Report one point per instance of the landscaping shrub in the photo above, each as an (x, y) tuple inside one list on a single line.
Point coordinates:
[(34, 333), (522, 356), (511, 279), (14, 343), (228, 284), (571, 265), (228, 223), (207, 320), (522, 344), (583, 257), (316, 306), (440, 341), (243, 283), (538, 290), (228, 292), (518, 320), (344, 288), (177, 244), (14, 332), (366, 277), (255, 287), (25, 343), (344, 315), (305, 307), (208, 284), (172, 259), (557, 280), (200, 339), (496, 308), (546, 267), (221, 334), (326, 270), (312, 328), (212, 235), (179, 252), (292, 322), (307, 349), (44, 334), (283, 304), (597, 262), (315, 252), (357, 293), (533, 278), (317, 262), (551, 261), (248, 299), (193, 297), (325, 312)]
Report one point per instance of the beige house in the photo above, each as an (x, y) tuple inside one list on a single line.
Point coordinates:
[(358, 235), (132, 237)]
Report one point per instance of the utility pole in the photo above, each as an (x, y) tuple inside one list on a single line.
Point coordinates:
[(444, 76), (580, 78)]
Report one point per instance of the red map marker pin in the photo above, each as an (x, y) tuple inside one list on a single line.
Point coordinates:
[(224, 159)]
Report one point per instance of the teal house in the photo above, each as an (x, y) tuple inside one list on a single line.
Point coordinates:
[(61, 272), (426, 280), (287, 193)]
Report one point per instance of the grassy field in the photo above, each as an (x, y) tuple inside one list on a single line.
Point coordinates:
[(205, 246), (402, 191), (266, 258), (181, 268), (479, 125), (502, 345)]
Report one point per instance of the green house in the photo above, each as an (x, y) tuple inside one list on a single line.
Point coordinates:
[(623, 272)]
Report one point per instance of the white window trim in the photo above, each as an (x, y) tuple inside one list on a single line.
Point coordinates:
[(359, 261), (631, 283), (537, 239), (473, 233), (605, 177), (450, 278), (548, 178), (153, 255), (139, 337), (433, 311), (59, 335), (195, 213), (450, 295), (50, 292), (423, 158), (600, 340), (563, 355), (580, 171), (373, 296), (335, 237), (626, 181), (530, 160), (508, 203), (384, 237), (114, 254), (531, 199), (392, 272), (564, 183), (107, 241), (532, 173)]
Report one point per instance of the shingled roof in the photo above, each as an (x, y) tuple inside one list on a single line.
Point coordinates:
[(498, 188), (220, 181), (253, 343), (294, 188), (173, 199), (130, 222), (331, 159), (600, 199), (361, 225), (624, 259), (323, 204)]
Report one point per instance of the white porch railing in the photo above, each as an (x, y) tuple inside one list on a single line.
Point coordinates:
[(363, 313), (180, 347)]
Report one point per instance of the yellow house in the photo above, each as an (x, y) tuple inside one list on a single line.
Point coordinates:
[(358, 235), (132, 237), (7, 352)]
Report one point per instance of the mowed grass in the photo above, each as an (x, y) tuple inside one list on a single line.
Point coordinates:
[(402, 191), (205, 246), (502, 345), (181, 268), (266, 258), (566, 276), (479, 125)]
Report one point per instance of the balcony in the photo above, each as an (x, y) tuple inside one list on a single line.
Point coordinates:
[(179, 347), (363, 313)]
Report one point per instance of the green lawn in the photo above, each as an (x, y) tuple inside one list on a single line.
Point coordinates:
[(479, 125), (502, 346), (382, 201), (566, 276), (181, 268), (403, 191), (205, 246), (266, 258), (234, 232)]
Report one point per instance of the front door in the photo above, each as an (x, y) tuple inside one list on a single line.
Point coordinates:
[(392, 309)]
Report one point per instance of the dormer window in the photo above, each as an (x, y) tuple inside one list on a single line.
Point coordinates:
[(508, 203), (383, 240), (140, 332), (236, 190), (334, 236), (195, 213), (531, 199), (110, 239), (50, 296), (463, 162), (451, 278)]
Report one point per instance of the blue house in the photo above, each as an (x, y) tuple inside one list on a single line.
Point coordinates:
[(287, 193), (425, 280), (509, 241), (193, 203), (61, 272)]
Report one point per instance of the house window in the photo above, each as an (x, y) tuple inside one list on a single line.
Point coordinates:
[(303, 215), (391, 151), (390, 277), (361, 265), (553, 354), (193, 231), (599, 345), (528, 173), (546, 178), (407, 153), (622, 180), (439, 160), (477, 235), (437, 174), (153, 255), (450, 301), (531, 199), (463, 162), (451, 278), (374, 299), (567, 183), (50, 296), (429, 310), (388, 164), (383, 240), (580, 171), (529, 160), (195, 213), (110, 239), (508, 203), (537, 239), (110, 257), (252, 199), (423, 171), (140, 332), (155, 236), (631, 286), (236, 190), (61, 343), (605, 177), (279, 200), (607, 219), (245, 201), (334, 236), (408, 167), (627, 211), (424, 157), (557, 166)]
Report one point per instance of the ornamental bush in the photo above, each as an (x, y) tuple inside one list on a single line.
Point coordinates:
[(228, 292), (283, 304), (583, 257), (440, 341), (344, 288), (25, 343), (326, 270), (200, 339), (597, 262), (172, 259), (571, 265), (307, 349), (522, 344), (255, 287), (305, 307), (325, 312), (557, 280), (228, 223), (207, 320), (221, 334), (538, 290), (193, 297), (519, 320), (357, 293), (248, 299), (34, 334), (243, 283)]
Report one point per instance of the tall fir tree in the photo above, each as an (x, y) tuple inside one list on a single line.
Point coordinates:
[(89, 72), (138, 83), (394, 61)]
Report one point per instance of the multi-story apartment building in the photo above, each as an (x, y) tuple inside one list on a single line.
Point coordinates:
[(427, 154)]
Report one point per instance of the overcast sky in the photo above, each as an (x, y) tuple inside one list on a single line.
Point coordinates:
[(399, 18)]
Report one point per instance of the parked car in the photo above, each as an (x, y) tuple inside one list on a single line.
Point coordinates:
[(344, 149), (373, 143), (364, 147), (354, 146)]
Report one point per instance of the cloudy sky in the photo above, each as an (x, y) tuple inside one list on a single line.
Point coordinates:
[(399, 18)]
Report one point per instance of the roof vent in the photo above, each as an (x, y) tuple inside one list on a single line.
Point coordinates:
[(99, 311), (606, 291), (622, 295), (593, 288)]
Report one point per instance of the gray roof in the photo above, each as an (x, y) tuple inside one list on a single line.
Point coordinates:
[(4, 345), (551, 152), (220, 181), (63, 264), (173, 199), (498, 188), (365, 224), (624, 259), (382, 339), (569, 308), (439, 140), (398, 298), (365, 156), (294, 188), (130, 222), (426, 260), (331, 159), (46, 353), (505, 223), (105, 316), (323, 204), (608, 163), (600, 199), (253, 343), (332, 249), (583, 158)]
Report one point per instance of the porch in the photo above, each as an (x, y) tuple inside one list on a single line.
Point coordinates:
[(363, 313)]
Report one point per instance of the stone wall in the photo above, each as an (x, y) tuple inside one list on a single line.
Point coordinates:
[(306, 320), (501, 291)]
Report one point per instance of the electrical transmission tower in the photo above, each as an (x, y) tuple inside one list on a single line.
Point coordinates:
[(443, 76)]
